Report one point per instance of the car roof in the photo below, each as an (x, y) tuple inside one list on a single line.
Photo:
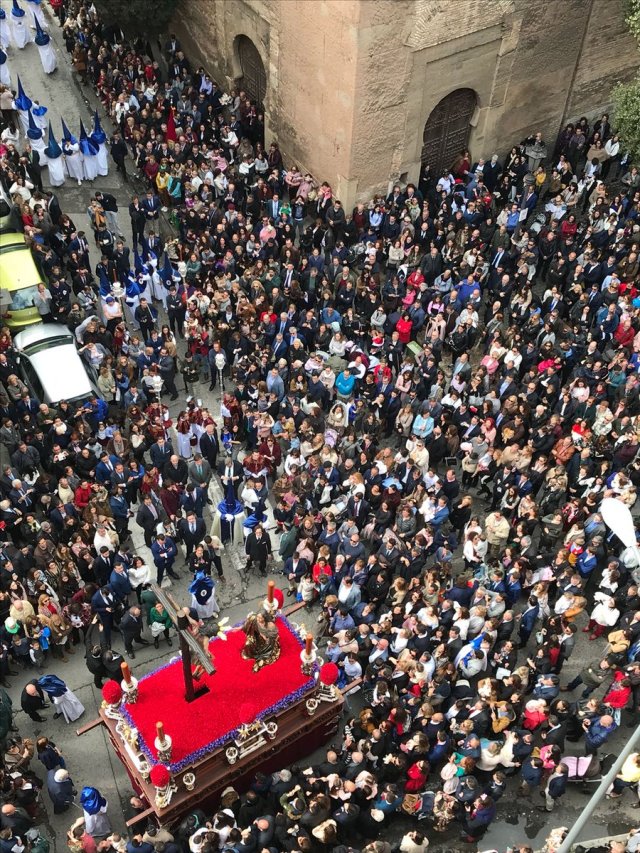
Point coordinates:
[(12, 238), (42, 332), (62, 374)]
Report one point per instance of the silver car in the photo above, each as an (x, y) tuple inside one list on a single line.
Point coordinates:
[(50, 365)]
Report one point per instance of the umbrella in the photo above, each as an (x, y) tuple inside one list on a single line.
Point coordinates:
[(53, 150), (22, 102)]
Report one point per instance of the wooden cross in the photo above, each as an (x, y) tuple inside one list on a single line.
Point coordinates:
[(188, 646)]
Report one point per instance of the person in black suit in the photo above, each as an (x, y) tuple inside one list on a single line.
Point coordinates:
[(61, 514), (33, 166), (230, 472), (148, 517), (210, 445), (131, 627), (192, 530), (32, 700), (358, 509), (102, 566), (257, 548), (138, 218), (176, 470)]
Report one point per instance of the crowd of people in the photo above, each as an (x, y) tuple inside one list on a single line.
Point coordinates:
[(432, 393)]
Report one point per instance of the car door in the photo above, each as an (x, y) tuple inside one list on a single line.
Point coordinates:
[(30, 377)]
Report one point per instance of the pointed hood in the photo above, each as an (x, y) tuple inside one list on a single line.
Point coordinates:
[(3, 57), (42, 39), (87, 146), (67, 135), (105, 285), (132, 290), (137, 263), (17, 12), (39, 111), (22, 102), (3, 15), (167, 273), (92, 800), (34, 131), (98, 135), (53, 150)]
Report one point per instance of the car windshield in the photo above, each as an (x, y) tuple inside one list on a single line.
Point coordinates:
[(47, 343), (23, 298)]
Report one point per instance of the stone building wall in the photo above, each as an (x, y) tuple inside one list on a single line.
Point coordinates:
[(351, 83)]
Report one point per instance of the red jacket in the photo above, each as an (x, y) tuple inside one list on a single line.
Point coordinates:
[(403, 328), (617, 695)]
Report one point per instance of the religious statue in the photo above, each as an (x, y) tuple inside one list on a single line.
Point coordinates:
[(263, 641)]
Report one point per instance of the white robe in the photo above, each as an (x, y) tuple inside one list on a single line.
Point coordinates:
[(5, 34), (69, 706), (103, 159), (97, 824), (158, 290), (41, 121), (48, 58), (90, 165), (73, 163), (36, 12), (56, 171), (20, 32), (206, 611), (38, 145), (23, 115)]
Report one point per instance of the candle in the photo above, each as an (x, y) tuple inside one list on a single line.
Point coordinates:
[(270, 587), (126, 672), (308, 645), (160, 732)]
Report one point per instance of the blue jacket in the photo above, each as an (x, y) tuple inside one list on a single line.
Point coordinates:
[(120, 585), (557, 785), (596, 734), (164, 554), (103, 473), (529, 618)]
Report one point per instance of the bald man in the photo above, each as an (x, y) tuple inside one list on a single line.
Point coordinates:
[(32, 701)]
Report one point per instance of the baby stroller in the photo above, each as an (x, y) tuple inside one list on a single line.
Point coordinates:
[(587, 770)]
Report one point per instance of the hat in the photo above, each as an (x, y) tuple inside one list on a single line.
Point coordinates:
[(109, 299), (11, 625)]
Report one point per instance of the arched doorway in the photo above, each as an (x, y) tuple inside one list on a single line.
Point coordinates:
[(253, 78), (447, 130)]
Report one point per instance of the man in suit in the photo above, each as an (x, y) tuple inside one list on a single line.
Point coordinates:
[(210, 445), (176, 469), (138, 218), (160, 452), (194, 499), (61, 514), (103, 605), (21, 496), (257, 548), (164, 551), (200, 471), (151, 207), (105, 468), (131, 627), (231, 473), (192, 530), (358, 509), (102, 566), (148, 517)]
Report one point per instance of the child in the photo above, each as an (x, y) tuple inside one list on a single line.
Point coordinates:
[(36, 655)]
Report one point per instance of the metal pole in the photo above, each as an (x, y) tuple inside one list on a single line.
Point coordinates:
[(574, 832)]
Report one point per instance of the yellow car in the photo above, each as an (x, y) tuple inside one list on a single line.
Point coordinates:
[(19, 280)]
